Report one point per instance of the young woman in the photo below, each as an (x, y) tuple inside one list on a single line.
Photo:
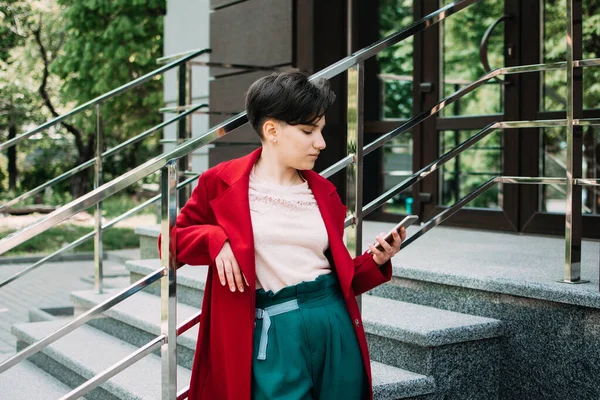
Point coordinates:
[(279, 314)]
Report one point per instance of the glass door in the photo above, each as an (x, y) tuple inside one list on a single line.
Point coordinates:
[(546, 213), (415, 75), (472, 42)]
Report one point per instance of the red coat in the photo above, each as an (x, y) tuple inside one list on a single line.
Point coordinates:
[(219, 210)]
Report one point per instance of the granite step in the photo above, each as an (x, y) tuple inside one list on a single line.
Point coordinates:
[(461, 352), (428, 341), (136, 320), (536, 316), (85, 352), (391, 383), (26, 381), (191, 280)]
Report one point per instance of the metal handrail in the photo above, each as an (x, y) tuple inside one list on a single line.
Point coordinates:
[(104, 97), (113, 370), (127, 361), (70, 173), (408, 125), (411, 123), (356, 59), (167, 160), (220, 130), (434, 165), (468, 143), (89, 235), (83, 318), (450, 211)]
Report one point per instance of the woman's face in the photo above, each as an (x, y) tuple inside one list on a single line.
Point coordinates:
[(298, 146)]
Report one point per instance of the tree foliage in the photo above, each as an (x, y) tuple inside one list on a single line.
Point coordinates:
[(72, 52), (110, 43)]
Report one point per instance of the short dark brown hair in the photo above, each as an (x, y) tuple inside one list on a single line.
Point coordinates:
[(289, 97)]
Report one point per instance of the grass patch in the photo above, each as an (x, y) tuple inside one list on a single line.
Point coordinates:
[(114, 206), (55, 238)]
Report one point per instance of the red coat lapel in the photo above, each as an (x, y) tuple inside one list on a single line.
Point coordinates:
[(333, 213), (232, 211)]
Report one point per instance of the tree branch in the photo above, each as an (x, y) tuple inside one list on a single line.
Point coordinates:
[(37, 32), (58, 47)]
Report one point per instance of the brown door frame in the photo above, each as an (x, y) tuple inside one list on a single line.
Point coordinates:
[(427, 52), (531, 219)]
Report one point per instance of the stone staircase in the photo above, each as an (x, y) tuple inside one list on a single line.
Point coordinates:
[(26, 381), (418, 351)]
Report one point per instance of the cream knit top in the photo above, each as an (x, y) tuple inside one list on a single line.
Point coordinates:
[(289, 234)]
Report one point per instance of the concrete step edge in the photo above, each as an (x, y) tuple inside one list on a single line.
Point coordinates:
[(391, 383), (422, 325), (26, 381), (193, 277), (142, 311), (88, 351)]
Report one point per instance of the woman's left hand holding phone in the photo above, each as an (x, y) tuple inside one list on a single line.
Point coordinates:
[(389, 250), (229, 270)]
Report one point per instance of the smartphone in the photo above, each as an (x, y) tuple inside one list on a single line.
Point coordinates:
[(406, 222)]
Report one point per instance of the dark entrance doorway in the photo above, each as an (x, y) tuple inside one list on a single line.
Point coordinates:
[(415, 75)]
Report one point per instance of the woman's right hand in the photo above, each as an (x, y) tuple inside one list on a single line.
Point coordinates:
[(228, 268)]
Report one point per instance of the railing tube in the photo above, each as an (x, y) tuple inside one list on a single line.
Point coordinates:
[(82, 319), (113, 370), (354, 175), (168, 292), (573, 217), (98, 253), (183, 125)]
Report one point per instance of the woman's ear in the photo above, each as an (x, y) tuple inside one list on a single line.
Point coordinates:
[(270, 131)]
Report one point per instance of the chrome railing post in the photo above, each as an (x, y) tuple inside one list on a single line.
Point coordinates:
[(354, 184), (168, 293), (184, 92), (573, 218), (98, 253)]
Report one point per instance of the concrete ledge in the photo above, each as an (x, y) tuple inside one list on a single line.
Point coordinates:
[(86, 352), (191, 280), (148, 236), (586, 295), (390, 383), (150, 230), (422, 325), (188, 275)]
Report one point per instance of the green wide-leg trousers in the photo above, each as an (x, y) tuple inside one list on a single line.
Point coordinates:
[(311, 351)]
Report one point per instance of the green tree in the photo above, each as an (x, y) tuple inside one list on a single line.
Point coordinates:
[(109, 43), (14, 100), (65, 54)]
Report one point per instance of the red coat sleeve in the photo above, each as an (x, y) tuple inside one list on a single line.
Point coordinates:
[(196, 237), (367, 274)]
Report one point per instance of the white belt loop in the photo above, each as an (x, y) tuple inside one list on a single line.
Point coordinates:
[(265, 314)]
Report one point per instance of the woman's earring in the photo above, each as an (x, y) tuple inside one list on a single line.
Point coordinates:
[(274, 140)]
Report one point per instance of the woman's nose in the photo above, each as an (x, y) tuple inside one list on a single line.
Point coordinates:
[(319, 143)]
